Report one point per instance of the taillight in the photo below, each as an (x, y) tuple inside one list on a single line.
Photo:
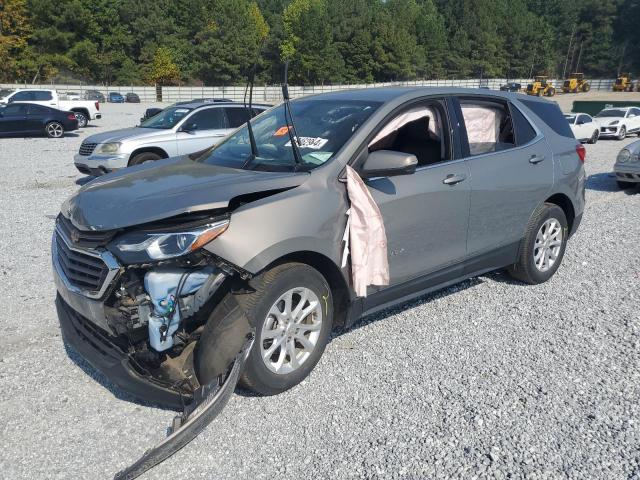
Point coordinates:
[(581, 151), (97, 105), (71, 116)]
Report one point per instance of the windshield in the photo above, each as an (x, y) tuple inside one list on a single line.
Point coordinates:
[(611, 113), (166, 119), (5, 91), (323, 127)]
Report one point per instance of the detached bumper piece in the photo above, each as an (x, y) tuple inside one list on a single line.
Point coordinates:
[(208, 402)]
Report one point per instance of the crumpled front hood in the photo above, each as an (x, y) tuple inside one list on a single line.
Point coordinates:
[(123, 134), (163, 189)]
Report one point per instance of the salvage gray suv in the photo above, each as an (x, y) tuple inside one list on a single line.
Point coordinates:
[(165, 271)]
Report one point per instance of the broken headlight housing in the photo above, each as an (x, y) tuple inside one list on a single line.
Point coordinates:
[(147, 246)]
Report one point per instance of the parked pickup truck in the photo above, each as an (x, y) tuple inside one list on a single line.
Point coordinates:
[(84, 110)]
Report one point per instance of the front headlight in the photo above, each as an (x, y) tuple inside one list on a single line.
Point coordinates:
[(624, 156), (136, 247), (108, 148), (615, 122)]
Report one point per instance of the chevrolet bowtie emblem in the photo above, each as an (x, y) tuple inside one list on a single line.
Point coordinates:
[(75, 236)]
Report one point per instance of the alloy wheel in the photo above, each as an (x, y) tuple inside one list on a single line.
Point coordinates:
[(291, 330), (548, 244), (55, 130)]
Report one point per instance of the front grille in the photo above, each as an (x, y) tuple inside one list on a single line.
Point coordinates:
[(87, 149), (82, 270), (83, 238)]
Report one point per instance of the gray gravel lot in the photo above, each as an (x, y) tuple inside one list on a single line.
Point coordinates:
[(489, 378)]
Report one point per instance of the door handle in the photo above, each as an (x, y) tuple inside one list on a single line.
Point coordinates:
[(452, 179), (535, 159)]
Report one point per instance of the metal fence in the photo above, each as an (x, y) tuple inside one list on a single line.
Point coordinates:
[(273, 94)]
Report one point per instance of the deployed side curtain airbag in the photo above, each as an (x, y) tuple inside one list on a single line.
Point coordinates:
[(483, 127), (365, 238)]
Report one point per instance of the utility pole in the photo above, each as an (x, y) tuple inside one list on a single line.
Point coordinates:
[(624, 48), (564, 70), (533, 61), (579, 56)]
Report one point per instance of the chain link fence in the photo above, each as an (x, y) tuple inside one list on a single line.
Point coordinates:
[(273, 93)]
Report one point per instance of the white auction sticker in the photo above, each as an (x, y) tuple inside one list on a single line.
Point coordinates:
[(309, 142)]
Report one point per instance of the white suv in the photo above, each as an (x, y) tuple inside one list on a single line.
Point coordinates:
[(176, 130), (618, 122)]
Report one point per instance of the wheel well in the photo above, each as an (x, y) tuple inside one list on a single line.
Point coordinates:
[(156, 150), (333, 275), (565, 204), (81, 110)]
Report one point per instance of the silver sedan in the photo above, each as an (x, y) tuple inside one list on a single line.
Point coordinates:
[(627, 167)]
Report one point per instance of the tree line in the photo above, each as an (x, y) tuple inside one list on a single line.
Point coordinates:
[(216, 42)]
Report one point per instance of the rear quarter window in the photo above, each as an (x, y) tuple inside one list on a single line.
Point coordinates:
[(550, 114)]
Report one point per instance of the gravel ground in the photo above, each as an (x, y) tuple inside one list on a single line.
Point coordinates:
[(489, 378)]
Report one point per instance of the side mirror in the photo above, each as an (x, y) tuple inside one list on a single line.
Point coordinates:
[(189, 128), (631, 115), (387, 163)]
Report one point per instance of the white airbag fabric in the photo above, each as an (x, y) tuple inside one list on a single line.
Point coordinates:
[(365, 238)]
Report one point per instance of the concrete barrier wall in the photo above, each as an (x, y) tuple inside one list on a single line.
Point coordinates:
[(273, 94)]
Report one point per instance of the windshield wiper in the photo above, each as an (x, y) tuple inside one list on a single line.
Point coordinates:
[(291, 128), (252, 138)]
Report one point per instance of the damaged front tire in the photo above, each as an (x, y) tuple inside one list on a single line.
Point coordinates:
[(291, 308)]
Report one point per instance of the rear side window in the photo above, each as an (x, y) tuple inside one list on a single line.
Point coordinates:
[(236, 116), (488, 126), (551, 115), (42, 96), (37, 110), (523, 129)]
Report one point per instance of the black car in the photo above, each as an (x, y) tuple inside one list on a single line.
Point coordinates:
[(26, 119), (511, 87), (132, 98)]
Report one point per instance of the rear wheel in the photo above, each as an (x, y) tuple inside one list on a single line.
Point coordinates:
[(551, 92), (594, 137), (54, 130), (543, 246), (586, 87), (82, 119), (623, 133), (144, 157), (292, 310), (539, 92)]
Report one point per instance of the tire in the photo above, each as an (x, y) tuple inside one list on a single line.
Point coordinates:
[(539, 92), (83, 121), (268, 288), (525, 269), (144, 157), (623, 133), (54, 130), (625, 185), (594, 137), (586, 87), (551, 92)]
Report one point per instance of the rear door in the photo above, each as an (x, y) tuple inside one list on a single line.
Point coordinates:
[(633, 117), (511, 168), (36, 116), (13, 119), (210, 127)]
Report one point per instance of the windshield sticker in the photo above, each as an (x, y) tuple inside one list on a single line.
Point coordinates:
[(281, 132), (315, 143), (317, 158)]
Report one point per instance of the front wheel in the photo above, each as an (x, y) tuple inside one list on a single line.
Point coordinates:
[(291, 308), (594, 137), (83, 121), (543, 245), (623, 133), (144, 157), (54, 130), (551, 92)]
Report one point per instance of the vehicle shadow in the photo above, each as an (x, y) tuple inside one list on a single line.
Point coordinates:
[(84, 180), (96, 375), (602, 182)]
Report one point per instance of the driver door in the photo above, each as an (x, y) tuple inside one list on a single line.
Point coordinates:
[(201, 130), (426, 214), (13, 119)]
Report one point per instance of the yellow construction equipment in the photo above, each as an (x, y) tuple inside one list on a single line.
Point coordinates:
[(541, 86), (623, 83), (575, 83)]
